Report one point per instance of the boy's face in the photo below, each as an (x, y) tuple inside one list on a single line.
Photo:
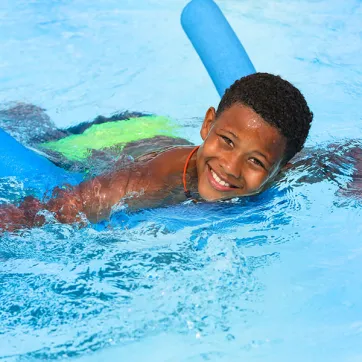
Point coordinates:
[(240, 153)]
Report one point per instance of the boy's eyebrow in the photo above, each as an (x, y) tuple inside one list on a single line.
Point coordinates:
[(228, 131)]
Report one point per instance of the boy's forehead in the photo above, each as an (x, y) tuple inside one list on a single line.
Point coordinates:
[(238, 111), (239, 116), (240, 119)]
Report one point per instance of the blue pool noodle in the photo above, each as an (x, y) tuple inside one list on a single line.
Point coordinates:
[(31, 168), (215, 42)]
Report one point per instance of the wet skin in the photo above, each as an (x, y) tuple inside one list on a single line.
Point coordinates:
[(239, 155)]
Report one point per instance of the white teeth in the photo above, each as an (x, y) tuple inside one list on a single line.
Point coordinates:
[(218, 179)]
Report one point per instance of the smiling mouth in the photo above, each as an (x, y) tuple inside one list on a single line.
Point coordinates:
[(218, 183)]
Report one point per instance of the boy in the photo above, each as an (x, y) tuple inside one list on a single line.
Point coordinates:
[(261, 122)]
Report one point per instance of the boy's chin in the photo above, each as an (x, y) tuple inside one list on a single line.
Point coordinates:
[(206, 196), (210, 196)]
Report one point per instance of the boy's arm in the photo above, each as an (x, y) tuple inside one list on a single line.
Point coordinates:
[(93, 198), (96, 197), (331, 162)]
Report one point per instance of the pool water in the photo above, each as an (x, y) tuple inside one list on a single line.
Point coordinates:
[(275, 277)]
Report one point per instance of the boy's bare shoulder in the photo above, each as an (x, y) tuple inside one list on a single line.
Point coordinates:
[(166, 152), (156, 174), (168, 161)]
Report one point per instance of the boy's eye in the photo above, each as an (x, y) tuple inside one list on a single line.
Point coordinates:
[(257, 162), (227, 140)]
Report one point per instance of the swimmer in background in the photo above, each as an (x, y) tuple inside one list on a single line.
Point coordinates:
[(262, 121)]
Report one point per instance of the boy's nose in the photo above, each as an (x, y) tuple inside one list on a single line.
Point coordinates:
[(232, 166)]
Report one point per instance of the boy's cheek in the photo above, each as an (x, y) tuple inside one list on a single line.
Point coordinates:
[(210, 149), (254, 184)]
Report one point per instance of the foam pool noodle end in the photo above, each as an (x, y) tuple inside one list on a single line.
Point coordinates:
[(217, 45)]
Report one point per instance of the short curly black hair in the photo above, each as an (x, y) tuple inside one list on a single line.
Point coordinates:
[(278, 102)]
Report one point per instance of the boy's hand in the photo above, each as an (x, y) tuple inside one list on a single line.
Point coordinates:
[(14, 218), (11, 218)]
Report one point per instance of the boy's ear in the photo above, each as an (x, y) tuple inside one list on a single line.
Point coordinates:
[(209, 119)]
